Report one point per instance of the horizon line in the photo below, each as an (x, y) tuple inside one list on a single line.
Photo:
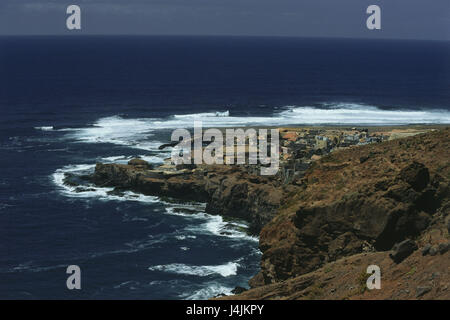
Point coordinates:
[(78, 35)]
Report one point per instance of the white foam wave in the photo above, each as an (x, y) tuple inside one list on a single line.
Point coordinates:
[(215, 224), (44, 128), (204, 223), (58, 176), (210, 290), (209, 224), (157, 159), (138, 133), (131, 284), (182, 211), (91, 191), (203, 115), (366, 115), (30, 267), (183, 237), (115, 159), (225, 270), (336, 113), (117, 130)]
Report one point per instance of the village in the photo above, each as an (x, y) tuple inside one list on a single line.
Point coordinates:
[(298, 148), (302, 146)]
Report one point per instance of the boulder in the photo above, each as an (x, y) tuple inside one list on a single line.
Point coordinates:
[(114, 175), (420, 291), (168, 145), (139, 163), (402, 250), (443, 247), (238, 290), (426, 249), (433, 250), (187, 166), (416, 175)]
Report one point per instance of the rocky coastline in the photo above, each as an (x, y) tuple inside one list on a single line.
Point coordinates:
[(367, 203), (227, 190)]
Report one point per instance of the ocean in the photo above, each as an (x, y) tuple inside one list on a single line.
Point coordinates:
[(67, 103)]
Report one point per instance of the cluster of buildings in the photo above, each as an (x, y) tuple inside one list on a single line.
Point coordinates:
[(299, 147)]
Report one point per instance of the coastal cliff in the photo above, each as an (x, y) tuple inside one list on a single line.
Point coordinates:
[(351, 208), (319, 231), (227, 190)]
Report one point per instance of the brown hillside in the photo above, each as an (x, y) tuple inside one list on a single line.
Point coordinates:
[(359, 202)]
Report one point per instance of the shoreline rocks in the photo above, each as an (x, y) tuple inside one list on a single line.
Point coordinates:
[(227, 190)]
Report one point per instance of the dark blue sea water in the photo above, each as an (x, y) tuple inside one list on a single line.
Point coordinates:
[(69, 102)]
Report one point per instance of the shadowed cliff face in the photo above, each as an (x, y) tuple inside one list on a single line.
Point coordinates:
[(357, 200), (423, 274), (227, 190)]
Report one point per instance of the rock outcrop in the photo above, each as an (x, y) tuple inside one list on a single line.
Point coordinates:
[(401, 250), (227, 190), (139, 164), (346, 206)]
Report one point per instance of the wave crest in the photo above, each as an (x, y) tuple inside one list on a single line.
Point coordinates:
[(225, 270)]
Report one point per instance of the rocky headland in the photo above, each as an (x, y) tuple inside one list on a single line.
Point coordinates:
[(344, 208), (227, 190)]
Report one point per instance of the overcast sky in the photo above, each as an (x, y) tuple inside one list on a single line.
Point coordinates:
[(411, 19)]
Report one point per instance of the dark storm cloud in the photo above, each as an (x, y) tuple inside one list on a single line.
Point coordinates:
[(415, 19)]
